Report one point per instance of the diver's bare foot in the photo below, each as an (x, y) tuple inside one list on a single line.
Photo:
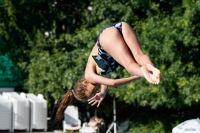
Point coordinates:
[(148, 76), (155, 72)]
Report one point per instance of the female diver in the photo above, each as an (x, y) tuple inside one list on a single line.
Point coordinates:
[(117, 44)]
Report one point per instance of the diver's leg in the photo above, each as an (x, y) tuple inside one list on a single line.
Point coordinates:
[(112, 42), (133, 44)]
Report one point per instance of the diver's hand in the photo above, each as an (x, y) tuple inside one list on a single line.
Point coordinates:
[(97, 99)]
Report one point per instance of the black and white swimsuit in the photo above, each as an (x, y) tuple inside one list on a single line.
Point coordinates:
[(105, 62)]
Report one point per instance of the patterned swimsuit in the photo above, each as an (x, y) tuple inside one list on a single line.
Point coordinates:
[(105, 62)]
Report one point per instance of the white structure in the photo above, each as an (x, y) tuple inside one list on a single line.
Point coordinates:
[(71, 119), (38, 111), (189, 126), (20, 112), (86, 129), (5, 114)]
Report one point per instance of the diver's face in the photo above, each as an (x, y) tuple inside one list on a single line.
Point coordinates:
[(91, 89)]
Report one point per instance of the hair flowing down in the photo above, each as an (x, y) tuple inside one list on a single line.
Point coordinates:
[(62, 105), (78, 92)]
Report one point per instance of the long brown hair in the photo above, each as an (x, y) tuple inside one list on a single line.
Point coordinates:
[(78, 92)]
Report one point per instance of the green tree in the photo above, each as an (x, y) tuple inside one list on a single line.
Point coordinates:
[(29, 31), (168, 32)]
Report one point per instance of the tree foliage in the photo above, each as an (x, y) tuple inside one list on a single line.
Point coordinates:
[(51, 40)]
